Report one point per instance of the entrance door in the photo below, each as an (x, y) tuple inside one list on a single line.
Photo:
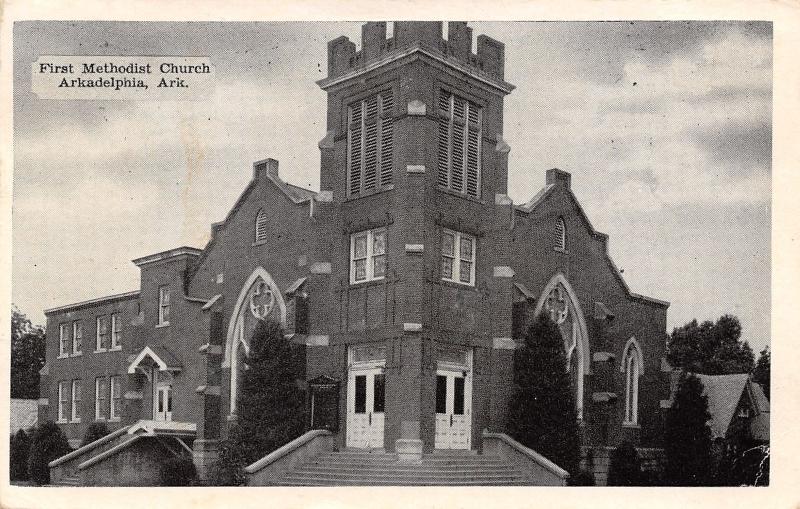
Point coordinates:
[(163, 410), (453, 401), (365, 408)]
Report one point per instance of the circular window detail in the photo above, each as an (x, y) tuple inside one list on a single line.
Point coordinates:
[(261, 300), (556, 305)]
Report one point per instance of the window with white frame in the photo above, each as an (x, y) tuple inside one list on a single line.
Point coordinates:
[(100, 392), (632, 372), (458, 257), (459, 156), (76, 401), (116, 331), (116, 398), (163, 305), (63, 340), (261, 225), (560, 235), (370, 128), (368, 255), (77, 337), (101, 336), (63, 395)]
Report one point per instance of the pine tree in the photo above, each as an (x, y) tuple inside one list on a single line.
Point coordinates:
[(95, 431), (271, 403), (18, 456), (542, 412), (626, 466), (687, 437)]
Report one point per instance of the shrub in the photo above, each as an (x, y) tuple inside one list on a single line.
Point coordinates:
[(687, 437), (48, 443), (95, 431), (271, 403), (178, 471), (583, 478), (542, 412), (626, 467), (18, 456)]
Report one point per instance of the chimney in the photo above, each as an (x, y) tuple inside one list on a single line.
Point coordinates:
[(265, 167), (559, 177), (459, 39)]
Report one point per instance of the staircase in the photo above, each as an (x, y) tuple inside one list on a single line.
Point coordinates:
[(355, 468), (67, 481)]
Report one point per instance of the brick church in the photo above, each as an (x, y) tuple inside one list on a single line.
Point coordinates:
[(409, 277)]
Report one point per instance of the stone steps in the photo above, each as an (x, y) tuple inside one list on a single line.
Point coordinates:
[(349, 468), (68, 481)]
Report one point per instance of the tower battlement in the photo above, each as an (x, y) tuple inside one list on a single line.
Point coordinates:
[(375, 45)]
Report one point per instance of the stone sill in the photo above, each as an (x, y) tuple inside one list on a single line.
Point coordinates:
[(371, 282), (559, 250), (355, 197), (631, 425), (458, 284), (465, 196), (160, 325)]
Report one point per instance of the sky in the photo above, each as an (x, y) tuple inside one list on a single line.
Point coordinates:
[(665, 127)]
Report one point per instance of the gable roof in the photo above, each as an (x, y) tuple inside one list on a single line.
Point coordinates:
[(158, 354), (724, 393), (544, 193)]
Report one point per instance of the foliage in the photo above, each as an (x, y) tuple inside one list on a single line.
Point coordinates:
[(27, 356), (95, 431), (626, 466), (761, 373), (710, 348), (542, 412), (582, 478), (271, 403), (48, 443), (687, 437), (178, 471), (18, 456)]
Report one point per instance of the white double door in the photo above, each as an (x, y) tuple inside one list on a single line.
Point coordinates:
[(162, 397), (453, 409), (366, 401)]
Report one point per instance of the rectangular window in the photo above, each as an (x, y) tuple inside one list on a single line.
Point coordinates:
[(441, 394), (163, 305), (116, 331), (63, 389), (369, 144), (100, 392), (116, 397), (63, 340), (458, 257), (459, 146), (101, 336), (77, 337), (76, 401), (361, 394), (368, 255)]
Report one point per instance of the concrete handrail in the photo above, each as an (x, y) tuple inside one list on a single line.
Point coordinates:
[(88, 447), (528, 452), (105, 454), (285, 450)]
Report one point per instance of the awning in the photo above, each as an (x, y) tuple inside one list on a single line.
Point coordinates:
[(162, 357)]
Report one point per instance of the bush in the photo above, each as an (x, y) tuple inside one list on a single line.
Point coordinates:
[(18, 456), (178, 471), (95, 431), (48, 443), (583, 478), (626, 467), (687, 437), (271, 403), (542, 412)]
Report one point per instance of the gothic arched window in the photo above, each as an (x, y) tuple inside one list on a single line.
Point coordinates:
[(560, 235), (632, 368), (261, 225)]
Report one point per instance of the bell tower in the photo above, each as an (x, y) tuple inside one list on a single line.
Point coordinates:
[(414, 171)]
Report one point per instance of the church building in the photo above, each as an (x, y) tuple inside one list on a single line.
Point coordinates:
[(409, 278)]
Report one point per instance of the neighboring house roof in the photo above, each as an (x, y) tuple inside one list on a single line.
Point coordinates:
[(759, 425), (724, 393), (24, 414)]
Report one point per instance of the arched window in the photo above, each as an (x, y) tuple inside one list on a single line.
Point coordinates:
[(561, 235), (261, 225), (633, 368)]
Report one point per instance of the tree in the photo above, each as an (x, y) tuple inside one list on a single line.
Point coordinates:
[(542, 412), (27, 356), (95, 431), (710, 348), (687, 437), (761, 373), (18, 456), (178, 471), (626, 466), (47, 444), (271, 403)]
